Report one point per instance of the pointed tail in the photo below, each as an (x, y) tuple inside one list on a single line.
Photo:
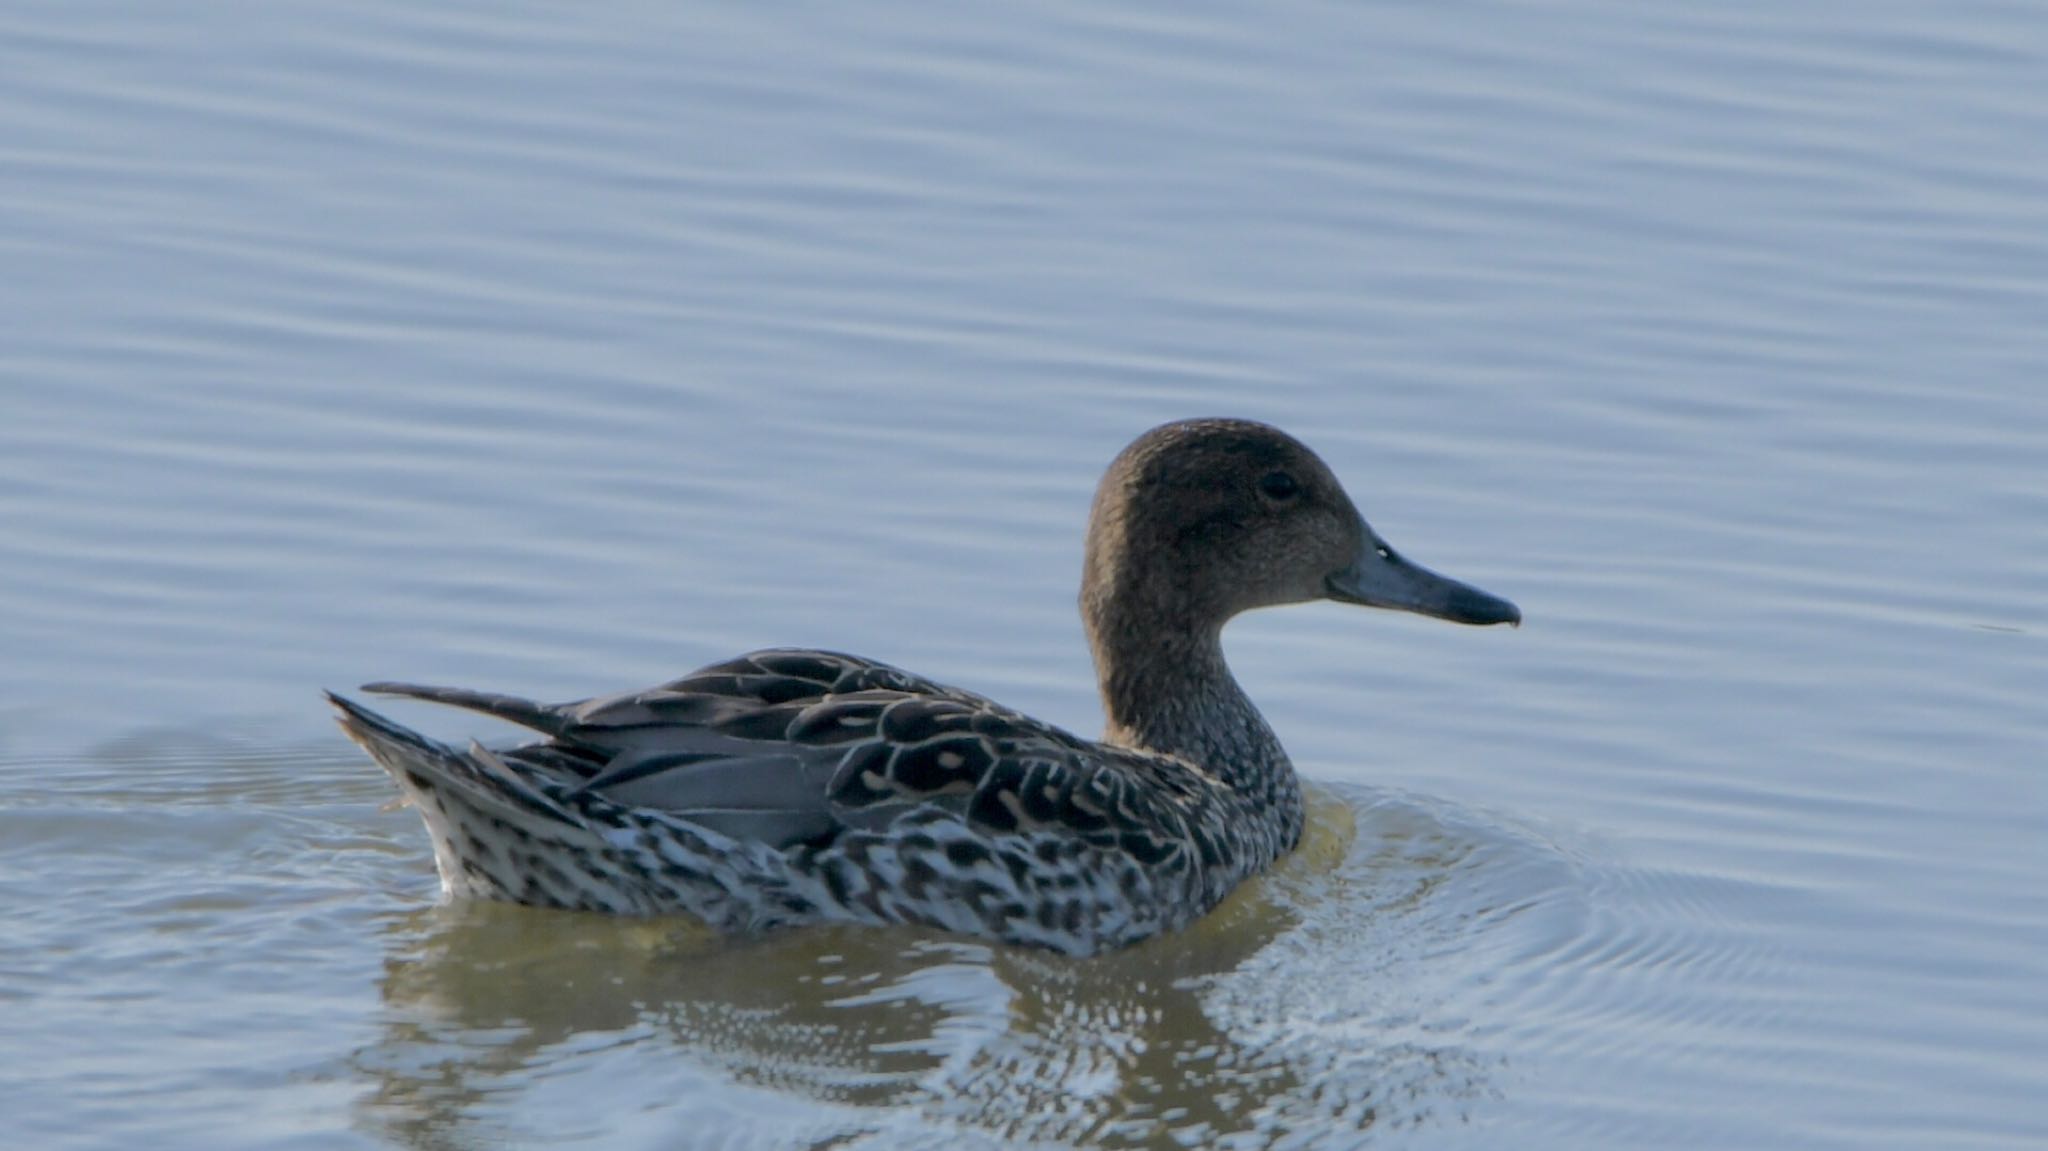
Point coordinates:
[(478, 776), (524, 712)]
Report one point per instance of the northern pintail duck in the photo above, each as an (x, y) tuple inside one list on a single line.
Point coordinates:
[(795, 786)]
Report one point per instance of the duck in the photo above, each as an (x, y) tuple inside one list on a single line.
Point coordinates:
[(794, 786)]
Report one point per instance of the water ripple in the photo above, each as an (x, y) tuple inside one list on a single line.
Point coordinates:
[(560, 352)]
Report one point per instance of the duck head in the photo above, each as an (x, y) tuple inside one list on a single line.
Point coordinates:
[(1199, 520)]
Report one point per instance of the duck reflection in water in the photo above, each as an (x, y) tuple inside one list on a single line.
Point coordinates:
[(905, 1031)]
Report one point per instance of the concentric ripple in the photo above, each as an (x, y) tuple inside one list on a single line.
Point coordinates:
[(1345, 992)]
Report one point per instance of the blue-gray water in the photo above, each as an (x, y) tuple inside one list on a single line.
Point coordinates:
[(561, 349)]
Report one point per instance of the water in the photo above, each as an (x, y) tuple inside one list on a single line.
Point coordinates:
[(562, 351)]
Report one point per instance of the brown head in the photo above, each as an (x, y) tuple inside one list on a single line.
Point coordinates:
[(1199, 520)]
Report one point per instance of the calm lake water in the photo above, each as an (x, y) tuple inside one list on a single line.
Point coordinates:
[(561, 350)]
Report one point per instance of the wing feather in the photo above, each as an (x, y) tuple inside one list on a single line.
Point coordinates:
[(787, 746)]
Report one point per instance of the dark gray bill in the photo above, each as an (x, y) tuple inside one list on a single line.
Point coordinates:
[(1379, 577)]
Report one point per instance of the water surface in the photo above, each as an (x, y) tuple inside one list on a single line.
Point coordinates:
[(561, 352)]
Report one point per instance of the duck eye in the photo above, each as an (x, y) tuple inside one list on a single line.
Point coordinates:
[(1279, 486)]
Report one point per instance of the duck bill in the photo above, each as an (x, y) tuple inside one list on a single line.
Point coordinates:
[(1380, 577)]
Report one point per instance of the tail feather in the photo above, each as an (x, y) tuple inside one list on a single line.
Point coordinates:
[(480, 777), (511, 708)]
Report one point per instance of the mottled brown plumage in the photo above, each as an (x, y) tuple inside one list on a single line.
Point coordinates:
[(792, 786)]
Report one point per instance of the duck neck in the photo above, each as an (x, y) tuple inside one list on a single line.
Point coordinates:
[(1168, 689)]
